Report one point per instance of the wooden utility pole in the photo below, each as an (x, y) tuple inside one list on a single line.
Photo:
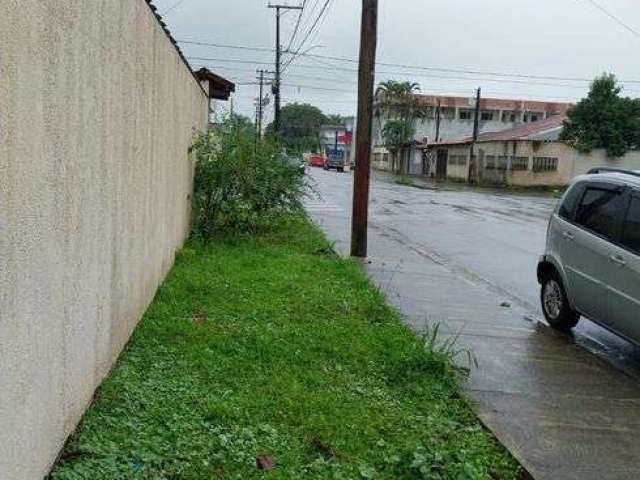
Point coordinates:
[(257, 127), (476, 117), (366, 80), (276, 85), (476, 132), (260, 103), (438, 113)]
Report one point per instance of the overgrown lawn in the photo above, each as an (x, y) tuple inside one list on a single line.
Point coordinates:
[(271, 346)]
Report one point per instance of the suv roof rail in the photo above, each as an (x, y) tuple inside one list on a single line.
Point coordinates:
[(613, 170)]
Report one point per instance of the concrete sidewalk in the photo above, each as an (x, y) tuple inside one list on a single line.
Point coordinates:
[(563, 412)]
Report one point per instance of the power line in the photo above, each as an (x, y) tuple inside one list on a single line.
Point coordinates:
[(311, 11), (315, 34), (309, 32), (614, 18), (226, 60), (407, 74), (233, 47), (338, 76), (413, 67), (292, 75), (464, 71), (310, 87), (295, 31), (174, 6)]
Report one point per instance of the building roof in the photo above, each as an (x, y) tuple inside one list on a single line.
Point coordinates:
[(540, 130), (219, 87), (556, 108), (527, 131)]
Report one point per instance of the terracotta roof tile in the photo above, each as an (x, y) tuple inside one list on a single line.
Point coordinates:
[(524, 131), (521, 132)]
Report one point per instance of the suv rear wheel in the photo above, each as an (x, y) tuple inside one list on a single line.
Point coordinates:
[(555, 305)]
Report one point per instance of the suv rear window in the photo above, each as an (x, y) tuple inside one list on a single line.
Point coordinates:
[(631, 232), (601, 211)]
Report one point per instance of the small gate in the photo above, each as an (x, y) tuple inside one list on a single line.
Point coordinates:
[(441, 164)]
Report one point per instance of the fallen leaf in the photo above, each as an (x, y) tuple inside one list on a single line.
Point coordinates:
[(265, 462)]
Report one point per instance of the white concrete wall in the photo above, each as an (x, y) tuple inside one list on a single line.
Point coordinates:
[(529, 149), (571, 162), (381, 159), (97, 112), (456, 170), (598, 158)]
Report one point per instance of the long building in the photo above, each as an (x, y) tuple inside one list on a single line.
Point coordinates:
[(530, 155), (452, 118)]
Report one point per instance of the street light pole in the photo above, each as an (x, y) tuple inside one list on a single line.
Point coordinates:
[(366, 80)]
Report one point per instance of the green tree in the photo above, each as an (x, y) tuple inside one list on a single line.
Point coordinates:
[(241, 183), (299, 127), (397, 135), (398, 104), (604, 119)]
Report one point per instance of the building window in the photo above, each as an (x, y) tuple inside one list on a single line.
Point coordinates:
[(465, 115), (545, 164), (503, 162), (490, 162), (509, 117), (486, 116), (385, 158), (519, 163), (457, 159), (447, 113), (533, 116)]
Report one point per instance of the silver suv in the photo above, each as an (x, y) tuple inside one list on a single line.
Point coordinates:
[(591, 266)]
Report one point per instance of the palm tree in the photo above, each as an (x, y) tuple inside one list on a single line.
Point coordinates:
[(398, 104)]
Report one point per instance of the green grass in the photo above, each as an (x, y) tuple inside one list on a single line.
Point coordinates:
[(271, 345), (404, 180)]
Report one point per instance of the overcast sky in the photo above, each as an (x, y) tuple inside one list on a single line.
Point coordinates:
[(571, 39)]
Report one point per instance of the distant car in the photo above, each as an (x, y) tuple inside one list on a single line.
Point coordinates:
[(591, 266), (330, 163), (317, 161)]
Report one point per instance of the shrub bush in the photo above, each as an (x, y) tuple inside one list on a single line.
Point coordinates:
[(241, 182)]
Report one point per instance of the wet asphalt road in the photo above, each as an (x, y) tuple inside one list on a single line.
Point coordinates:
[(488, 237)]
